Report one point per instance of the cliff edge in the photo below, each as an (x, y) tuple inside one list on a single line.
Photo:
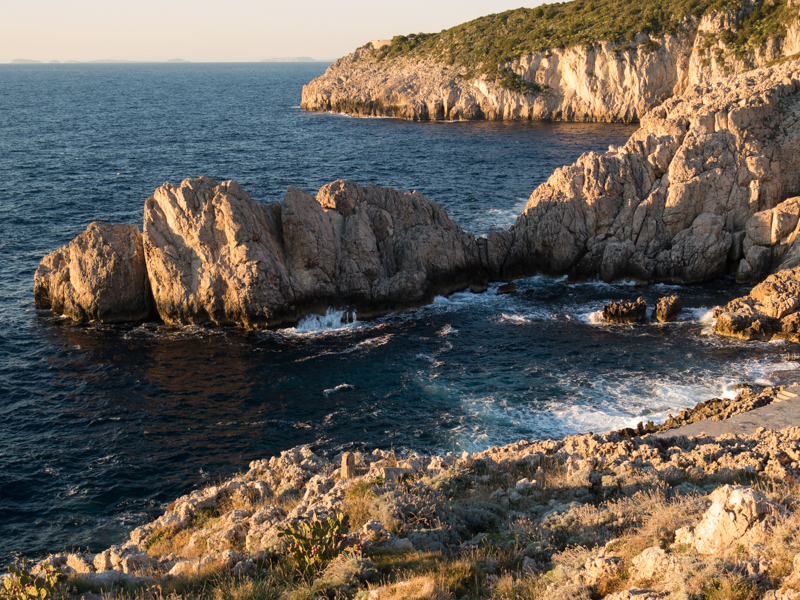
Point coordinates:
[(601, 61)]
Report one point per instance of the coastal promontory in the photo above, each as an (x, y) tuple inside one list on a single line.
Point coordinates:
[(706, 187), (572, 61)]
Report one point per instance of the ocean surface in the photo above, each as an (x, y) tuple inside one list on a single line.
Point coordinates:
[(101, 426)]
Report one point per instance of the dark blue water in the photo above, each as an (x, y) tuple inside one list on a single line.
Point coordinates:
[(101, 425)]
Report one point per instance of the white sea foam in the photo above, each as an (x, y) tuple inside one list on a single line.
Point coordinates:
[(332, 319), (598, 404), (594, 317), (513, 319), (500, 218), (700, 314), (363, 345), (342, 387)]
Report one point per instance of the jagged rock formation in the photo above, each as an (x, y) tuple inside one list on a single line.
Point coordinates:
[(602, 81), (769, 312), (736, 514), (667, 309), (213, 254), (98, 276), (634, 311), (672, 204)]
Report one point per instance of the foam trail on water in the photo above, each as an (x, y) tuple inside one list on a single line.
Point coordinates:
[(332, 319)]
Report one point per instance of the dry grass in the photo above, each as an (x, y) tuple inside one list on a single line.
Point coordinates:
[(173, 542), (650, 519), (417, 588)]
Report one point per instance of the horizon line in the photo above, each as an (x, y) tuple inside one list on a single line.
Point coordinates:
[(176, 61)]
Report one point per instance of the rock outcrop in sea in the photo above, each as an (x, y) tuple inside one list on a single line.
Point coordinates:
[(707, 186), (769, 312), (601, 81), (211, 254)]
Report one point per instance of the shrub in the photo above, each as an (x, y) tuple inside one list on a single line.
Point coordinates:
[(483, 45), (22, 585), (314, 544)]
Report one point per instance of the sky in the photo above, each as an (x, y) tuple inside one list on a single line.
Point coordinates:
[(218, 31)]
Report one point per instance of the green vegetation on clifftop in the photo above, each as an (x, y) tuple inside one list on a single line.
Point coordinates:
[(482, 45)]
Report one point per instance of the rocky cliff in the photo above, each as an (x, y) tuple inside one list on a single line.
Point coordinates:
[(210, 253), (683, 200), (707, 186), (594, 81)]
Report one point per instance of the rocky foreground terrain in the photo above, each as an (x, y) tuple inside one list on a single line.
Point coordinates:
[(589, 516), (597, 81)]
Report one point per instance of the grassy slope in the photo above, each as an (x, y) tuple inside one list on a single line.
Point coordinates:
[(480, 46)]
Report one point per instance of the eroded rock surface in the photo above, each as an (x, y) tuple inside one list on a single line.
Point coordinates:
[(216, 255), (769, 312), (667, 308), (672, 204), (632, 311), (737, 515), (99, 276)]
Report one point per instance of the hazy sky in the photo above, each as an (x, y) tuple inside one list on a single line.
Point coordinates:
[(214, 30)]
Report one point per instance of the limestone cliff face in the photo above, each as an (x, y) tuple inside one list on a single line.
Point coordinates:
[(606, 82), (677, 202), (216, 255)]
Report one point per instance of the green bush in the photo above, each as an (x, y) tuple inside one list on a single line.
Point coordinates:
[(482, 46), (314, 544), (22, 585)]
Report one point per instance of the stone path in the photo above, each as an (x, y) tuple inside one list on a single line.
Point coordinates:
[(783, 412)]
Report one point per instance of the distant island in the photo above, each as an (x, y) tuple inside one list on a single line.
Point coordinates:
[(26, 61)]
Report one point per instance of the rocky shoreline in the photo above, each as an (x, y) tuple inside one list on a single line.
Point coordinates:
[(707, 186), (597, 516)]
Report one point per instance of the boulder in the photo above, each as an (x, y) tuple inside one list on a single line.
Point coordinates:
[(667, 309), (99, 276), (633, 311), (653, 564), (507, 288), (598, 569), (770, 311), (737, 516)]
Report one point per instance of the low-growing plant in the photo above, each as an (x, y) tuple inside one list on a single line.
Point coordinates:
[(23, 585), (313, 544)]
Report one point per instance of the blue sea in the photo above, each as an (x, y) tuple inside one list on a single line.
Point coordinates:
[(101, 426)]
